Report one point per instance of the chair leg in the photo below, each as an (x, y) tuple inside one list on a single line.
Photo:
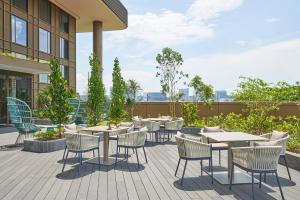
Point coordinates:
[(252, 178), (117, 153), (212, 171), (177, 166), (231, 176), (287, 168), (279, 185), (65, 160), (137, 158), (80, 158), (126, 150), (220, 157), (99, 157), (201, 167), (181, 182), (259, 180), (64, 152), (145, 154), (265, 177)]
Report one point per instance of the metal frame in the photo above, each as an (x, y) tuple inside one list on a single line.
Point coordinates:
[(252, 177)]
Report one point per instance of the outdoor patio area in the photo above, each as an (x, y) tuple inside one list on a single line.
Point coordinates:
[(27, 175)]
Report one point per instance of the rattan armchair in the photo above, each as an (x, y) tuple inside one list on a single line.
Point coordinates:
[(190, 149), (137, 123), (81, 143), (216, 146), (256, 160), (153, 129), (133, 140), (173, 127), (278, 139)]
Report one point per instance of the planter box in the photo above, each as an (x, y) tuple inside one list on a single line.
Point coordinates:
[(293, 160), (190, 130), (40, 146)]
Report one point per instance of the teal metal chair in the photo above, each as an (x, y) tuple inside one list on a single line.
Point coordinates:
[(21, 117), (75, 104)]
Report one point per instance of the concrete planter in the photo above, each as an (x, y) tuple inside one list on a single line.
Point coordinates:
[(191, 130), (40, 146), (293, 160)]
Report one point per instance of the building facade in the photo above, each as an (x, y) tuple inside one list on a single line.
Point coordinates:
[(34, 31)]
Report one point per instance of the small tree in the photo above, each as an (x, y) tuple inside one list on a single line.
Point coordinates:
[(59, 108), (96, 93), (202, 91), (131, 87), (118, 95), (170, 74)]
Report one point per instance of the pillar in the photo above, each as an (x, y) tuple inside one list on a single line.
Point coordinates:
[(97, 43)]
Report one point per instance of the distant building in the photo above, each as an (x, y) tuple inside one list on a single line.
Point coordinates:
[(156, 96), (222, 96), (185, 93)]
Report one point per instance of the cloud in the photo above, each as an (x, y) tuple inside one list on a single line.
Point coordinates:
[(256, 42), (81, 83), (271, 20), (171, 28), (273, 62)]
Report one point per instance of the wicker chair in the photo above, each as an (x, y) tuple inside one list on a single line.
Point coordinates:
[(81, 143), (153, 129), (75, 104), (256, 160), (216, 146), (21, 117), (133, 140), (278, 139), (190, 149), (137, 122)]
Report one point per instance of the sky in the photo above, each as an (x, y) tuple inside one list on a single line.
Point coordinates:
[(220, 40)]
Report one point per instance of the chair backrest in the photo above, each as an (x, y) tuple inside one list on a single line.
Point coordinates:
[(191, 148), (20, 114), (75, 104), (137, 122), (180, 123), (173, 125), (81, 142), (261, 158), (211, 129), (152, 125), (279, 142), (133, 139)]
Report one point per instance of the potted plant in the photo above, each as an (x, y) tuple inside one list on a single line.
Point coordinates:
[(58, 112)]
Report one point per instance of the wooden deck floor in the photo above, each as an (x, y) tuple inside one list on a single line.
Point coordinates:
[(25, 175)]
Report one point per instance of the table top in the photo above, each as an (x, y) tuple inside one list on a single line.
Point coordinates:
[(104, 129), (232, 136), (156, 119)]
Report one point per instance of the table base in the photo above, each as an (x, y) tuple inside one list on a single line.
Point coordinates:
[(239, 178), (110, 161)]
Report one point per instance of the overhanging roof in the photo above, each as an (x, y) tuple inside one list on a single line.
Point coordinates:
[(112, 13), (24, 66)]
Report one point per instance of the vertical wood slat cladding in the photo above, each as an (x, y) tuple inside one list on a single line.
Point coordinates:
[(33, 25), (154, 109)]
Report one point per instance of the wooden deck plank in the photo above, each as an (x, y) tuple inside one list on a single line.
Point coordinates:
[(25, 175)]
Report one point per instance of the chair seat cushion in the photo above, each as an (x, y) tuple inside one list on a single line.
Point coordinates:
[(219, 146), (278, 135)]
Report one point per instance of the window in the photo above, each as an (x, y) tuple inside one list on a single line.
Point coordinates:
[(21, 4), (64, 22), (45, 11), (65, 72), (44, 78), (18, 30), (64, 48), (44, 41)]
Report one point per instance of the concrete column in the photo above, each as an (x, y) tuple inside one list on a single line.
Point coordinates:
[(97, 42)]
